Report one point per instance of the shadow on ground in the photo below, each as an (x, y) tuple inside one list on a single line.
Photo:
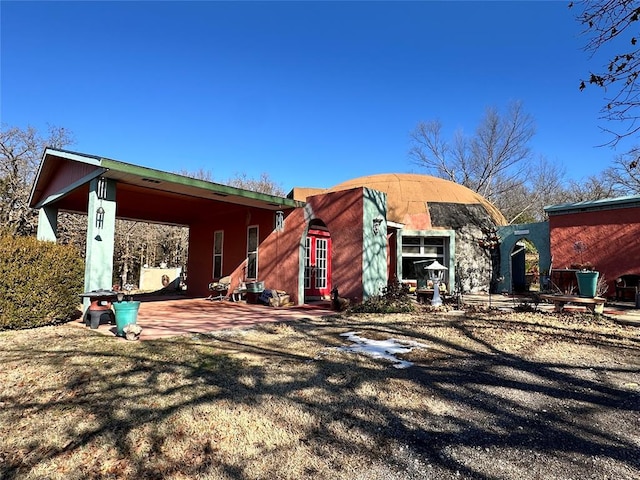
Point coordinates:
[(487, 398)]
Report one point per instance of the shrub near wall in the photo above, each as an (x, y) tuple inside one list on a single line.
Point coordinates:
[(39, 282)]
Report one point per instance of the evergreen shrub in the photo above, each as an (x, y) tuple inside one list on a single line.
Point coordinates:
[(39, 282)]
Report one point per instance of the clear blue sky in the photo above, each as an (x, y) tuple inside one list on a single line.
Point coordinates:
[(312, 93)]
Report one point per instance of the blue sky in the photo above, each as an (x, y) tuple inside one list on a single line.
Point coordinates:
[(311, 93)]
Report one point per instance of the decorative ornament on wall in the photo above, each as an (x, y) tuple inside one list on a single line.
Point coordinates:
[(279, 221), (376, 225)]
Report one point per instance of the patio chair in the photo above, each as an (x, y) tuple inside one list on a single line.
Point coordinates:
[(219, 289)]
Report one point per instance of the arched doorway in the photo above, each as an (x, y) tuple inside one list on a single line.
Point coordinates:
[(317, 262)]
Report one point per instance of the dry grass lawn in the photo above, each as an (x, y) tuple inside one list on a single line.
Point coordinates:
[(490, 396)]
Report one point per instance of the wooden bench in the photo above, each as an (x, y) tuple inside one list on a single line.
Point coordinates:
[(595, 304)]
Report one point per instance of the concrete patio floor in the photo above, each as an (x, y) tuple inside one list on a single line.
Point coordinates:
[(164, 317)]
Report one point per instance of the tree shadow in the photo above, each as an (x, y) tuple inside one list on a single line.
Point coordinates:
[(469, 405)]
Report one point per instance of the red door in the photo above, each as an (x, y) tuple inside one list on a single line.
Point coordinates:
[(317, 265)]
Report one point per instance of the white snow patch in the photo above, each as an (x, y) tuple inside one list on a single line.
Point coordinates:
[(385, 349)]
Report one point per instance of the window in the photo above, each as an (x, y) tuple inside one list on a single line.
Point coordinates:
[(218, 238), (252, 252), (421, 248), (321, 262)]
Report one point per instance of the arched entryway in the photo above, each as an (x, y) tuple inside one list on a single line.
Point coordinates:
[(317, 262), (525, 257)]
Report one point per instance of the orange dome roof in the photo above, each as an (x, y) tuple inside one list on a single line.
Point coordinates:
[(408, 195)]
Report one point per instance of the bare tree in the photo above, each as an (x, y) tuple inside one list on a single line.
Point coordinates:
[(72, 230), (20, 152), (623, 176), (263, 184), (200, 174), (614, 23), (544, 185), (591, 188), (493, 162)]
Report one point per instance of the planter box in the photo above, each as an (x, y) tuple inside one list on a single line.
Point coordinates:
[(255, 287)]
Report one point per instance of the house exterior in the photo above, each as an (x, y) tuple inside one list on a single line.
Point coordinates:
[(355, 236), (603, 232)]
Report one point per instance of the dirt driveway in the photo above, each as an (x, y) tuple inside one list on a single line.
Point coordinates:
[(532, 397)]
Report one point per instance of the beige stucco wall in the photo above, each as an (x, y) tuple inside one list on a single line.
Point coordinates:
[(151, 278)]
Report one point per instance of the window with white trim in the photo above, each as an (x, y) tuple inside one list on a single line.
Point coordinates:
[(218, 239), (307, 263), (252, 252)]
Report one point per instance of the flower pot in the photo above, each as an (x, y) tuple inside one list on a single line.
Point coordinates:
[(587, 283), (126, 314)]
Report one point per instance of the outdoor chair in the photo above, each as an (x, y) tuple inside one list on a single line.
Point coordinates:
[(219, 289), (627, 285)]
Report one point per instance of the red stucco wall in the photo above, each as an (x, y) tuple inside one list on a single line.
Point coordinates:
[(342, 213), (66, 173), (279, 252), (200, 265), (611, 238), (279, 256), (200, 261)]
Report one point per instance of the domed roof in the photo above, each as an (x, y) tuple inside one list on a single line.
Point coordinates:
[(409, 194)]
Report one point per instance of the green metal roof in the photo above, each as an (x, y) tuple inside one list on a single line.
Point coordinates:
[(594, 205), (151, 179)]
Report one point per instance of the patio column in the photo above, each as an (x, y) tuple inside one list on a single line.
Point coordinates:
[(47, 224), (101, 227)]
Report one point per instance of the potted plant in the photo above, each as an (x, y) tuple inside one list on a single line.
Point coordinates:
[(126, 311), (586, 274)]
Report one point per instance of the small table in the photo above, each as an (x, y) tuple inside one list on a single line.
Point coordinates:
[(593, 304), (100, 306)]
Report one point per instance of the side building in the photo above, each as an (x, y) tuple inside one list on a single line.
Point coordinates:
[(603, 233)]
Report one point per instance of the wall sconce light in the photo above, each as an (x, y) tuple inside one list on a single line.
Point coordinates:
[(100, 217), (376, 225), (279, 221)]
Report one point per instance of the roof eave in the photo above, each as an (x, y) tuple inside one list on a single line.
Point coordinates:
[(152, 175), (594, 205), (147, 177)]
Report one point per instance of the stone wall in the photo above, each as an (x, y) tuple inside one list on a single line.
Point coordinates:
[(476, 266)]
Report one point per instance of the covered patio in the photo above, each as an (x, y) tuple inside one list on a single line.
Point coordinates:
[(104, 189), (163, 317)]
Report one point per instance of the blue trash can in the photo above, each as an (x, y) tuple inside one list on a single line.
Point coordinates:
[(126, 314)]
